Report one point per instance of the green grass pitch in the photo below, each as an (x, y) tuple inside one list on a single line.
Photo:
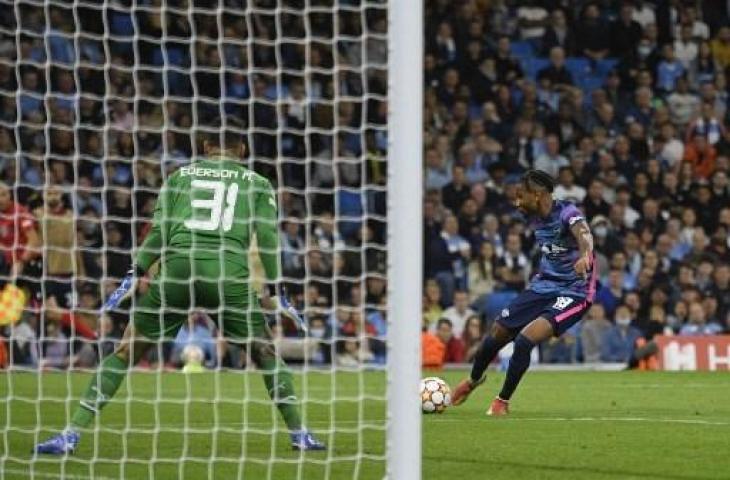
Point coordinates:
[(578, 425)]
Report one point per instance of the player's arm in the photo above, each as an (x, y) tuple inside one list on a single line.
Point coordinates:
[(147, 254), (584, 237), (267, 237), (151, 249)]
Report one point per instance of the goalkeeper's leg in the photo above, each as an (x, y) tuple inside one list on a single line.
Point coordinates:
[(109, 376), (146, 324), (280, 385)]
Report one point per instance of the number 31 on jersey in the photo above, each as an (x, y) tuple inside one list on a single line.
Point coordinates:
[(218, 215)]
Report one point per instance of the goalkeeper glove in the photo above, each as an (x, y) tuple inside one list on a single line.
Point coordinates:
[(124, 290), (277, 300)]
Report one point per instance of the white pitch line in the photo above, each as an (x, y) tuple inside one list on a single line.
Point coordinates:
[(685, 421), (380, 422)]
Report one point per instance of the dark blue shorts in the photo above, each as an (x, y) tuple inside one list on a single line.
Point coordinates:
[(563, 311)]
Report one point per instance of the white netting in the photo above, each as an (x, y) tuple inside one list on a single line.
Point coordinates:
[(99, 104)]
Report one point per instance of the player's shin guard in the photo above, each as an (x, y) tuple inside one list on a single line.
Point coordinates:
[(485, 354), (103, 385), (518, 365)]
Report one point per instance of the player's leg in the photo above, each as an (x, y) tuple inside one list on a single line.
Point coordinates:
[(504, 329), (248, 324), (557, 316), (537, 331), (498, 337), (146, 325)]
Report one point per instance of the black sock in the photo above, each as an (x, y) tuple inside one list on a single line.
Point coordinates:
[(517, 366), (486, 353)]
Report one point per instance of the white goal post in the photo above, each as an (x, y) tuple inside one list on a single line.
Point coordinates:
[(405, 220)]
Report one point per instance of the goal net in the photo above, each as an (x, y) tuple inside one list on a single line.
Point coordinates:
[(100, 103)]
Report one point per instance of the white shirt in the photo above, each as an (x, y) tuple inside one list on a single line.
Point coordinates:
[(672, 152), (699, 30), (550, 164), (532, 14), (685, 52), (575, 193), (458, 320), (682, 107), (644, 15)]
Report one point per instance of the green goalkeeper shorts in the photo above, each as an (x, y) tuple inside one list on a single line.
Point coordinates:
[(184, 286)]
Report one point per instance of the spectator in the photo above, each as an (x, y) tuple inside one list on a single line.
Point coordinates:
[(595, 327), (551, 161), (593, 33), (567, 189), (557, 34), (685, 47), (668, 70), (625, 31), (482, 272), (432, 310), (459, 312), (455, 192), (513, 266), (619, 341), (701, 155), (448, 260), (720, 46), (472, 337), (19, 241), (454, 345), (557, 76), (697, 322), (682, 104)]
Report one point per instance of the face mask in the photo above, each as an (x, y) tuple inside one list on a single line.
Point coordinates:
[(623, 321), (601, 231), (644, 50), (316, 332)]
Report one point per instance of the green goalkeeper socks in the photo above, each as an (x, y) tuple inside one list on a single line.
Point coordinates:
[(280, 385), (102, 387)]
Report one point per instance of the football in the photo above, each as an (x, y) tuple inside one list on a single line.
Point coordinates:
[(435, 395)]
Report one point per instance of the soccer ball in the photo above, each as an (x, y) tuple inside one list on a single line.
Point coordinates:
[(435, 395)]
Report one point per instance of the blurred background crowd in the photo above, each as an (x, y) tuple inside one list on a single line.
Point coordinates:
[(624, 102)]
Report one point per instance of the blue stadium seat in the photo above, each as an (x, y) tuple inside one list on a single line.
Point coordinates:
[(121, 24), (606, 65), (175, 56), (521, 49), (578, 66), (533, 66), (588, 83)]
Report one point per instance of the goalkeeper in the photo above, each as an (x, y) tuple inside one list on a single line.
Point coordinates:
[(205, 218)]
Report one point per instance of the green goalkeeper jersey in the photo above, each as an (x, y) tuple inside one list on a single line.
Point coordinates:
[(210, 210)]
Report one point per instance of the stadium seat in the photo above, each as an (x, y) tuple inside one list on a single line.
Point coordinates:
[(533, 66), (520, 49), (606, 65), (578, 66)]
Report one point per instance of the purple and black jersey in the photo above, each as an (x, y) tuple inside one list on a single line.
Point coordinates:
[(560, 251)]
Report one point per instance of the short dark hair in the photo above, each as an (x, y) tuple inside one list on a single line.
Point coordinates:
[(445, 321), (538, 178), (226, 132)]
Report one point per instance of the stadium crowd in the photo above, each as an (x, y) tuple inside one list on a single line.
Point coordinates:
[(624, 102)]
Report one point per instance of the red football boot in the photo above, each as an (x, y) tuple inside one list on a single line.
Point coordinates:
[(498, 408), (463, 389)]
